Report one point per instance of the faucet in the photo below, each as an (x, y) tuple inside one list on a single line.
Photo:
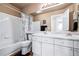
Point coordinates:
[(45, 32), (69, 34)]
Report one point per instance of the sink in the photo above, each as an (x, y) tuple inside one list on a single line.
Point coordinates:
[(77, 36)]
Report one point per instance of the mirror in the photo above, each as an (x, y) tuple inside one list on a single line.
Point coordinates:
[(70, 22), (60, 22)]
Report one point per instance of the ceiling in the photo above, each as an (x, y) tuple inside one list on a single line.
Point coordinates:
[(26, 5), (21, 5), (59, 7)]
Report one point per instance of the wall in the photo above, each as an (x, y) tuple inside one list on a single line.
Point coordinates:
[(47, 16), (7, 8)]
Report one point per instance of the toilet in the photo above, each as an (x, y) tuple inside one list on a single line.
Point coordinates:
[(25, 47)]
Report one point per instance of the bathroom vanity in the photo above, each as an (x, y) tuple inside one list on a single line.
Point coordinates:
[(55, 44)]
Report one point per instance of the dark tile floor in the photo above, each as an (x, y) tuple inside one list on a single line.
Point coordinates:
[(19, 54)]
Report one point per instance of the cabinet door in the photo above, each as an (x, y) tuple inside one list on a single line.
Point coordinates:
[(63, 51), (36, 38), (47, 49), (76, 52), (36, 47), (76, 44)]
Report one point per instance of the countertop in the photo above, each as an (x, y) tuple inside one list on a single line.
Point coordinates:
[(58, 36)]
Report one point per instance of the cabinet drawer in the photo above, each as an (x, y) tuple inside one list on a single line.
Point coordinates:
[(47, 40), (76, 44), (36, 38), (76, 52), (64, 42)]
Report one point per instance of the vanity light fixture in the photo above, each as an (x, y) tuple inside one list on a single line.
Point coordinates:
[(47, 6), (50, 5)]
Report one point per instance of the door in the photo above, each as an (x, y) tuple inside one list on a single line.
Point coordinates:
[(47, 49), (63, 51)]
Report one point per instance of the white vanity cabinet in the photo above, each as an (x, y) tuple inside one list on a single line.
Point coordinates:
[(63, 51), (54, 46)]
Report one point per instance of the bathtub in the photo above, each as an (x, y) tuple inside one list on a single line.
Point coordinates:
[(8, 50)]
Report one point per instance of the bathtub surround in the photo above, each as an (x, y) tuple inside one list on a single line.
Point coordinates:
[(10, 32)]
